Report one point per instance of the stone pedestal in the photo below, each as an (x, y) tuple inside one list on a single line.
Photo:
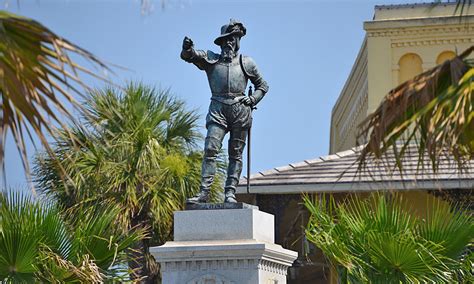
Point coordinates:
[(215, 245)]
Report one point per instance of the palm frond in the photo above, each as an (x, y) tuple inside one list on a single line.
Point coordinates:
[(434, 111), (37, 244), (381, 240), (462, 6), (136, 150), (38, 80)]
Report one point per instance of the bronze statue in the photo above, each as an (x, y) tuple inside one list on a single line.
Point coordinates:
[(230, 109)]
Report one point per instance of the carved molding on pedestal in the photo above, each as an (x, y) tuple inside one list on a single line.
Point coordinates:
[(209, 265), (224, 264), (273, 267)]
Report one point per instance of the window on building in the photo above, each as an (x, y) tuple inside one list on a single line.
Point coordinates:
[(410, 65), (443, 56)]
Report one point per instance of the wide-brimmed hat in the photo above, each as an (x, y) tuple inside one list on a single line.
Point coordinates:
[(233, 28)]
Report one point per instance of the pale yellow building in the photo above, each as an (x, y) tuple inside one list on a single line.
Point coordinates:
[(401, 41)]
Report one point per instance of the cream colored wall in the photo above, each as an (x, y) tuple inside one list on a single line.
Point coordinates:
[(420, 201), (351, 107), (396, 31), (379, 71), (426, 42)]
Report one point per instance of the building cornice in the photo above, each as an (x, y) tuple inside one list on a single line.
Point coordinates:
[(421, 42), (417, 27), (412, 5), (348, 187)]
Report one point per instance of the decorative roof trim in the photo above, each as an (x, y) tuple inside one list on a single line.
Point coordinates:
[(265, 183), (422, 26), (358, 187)]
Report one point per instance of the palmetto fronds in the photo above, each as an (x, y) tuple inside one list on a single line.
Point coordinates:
[(434, 110), (136, 150), (37, 80), (462, 6), (377, 240), (38, 245)]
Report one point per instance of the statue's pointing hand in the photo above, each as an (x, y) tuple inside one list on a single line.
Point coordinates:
[(187, 43)]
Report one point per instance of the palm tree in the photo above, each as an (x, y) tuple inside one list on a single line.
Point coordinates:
[(380, 240), (137, 150), (434, 110), (38, 245), (37, 78)]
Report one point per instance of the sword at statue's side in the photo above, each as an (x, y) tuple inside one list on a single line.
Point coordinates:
[(249, 147)]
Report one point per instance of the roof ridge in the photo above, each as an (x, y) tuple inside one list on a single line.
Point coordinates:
[(307, 162), (419, 4)]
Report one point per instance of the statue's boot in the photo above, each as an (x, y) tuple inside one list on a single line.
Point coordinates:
[(229, 195), (202, 197), (234, 168), (212, 147)]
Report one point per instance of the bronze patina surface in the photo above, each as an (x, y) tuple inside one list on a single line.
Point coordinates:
[(218, 206), (230, 110)]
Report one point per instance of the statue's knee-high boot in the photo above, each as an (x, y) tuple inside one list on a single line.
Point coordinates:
[(236, 147), (211, 150)]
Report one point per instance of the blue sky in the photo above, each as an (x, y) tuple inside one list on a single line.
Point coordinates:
[(305, 50)]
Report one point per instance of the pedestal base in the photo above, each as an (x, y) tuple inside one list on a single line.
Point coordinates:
[(236, 261), (223, 246)]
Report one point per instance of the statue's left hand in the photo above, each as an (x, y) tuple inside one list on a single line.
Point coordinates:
[(245, 100)]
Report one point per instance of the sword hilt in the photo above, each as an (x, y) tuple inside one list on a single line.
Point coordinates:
[(250, 94)]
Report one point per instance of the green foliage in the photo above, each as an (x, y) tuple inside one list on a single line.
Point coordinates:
[(38, 77), (136, 150), (380, 240), (38, 245), (434, 111)]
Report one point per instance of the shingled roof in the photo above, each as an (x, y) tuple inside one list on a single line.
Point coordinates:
[(338, 173)]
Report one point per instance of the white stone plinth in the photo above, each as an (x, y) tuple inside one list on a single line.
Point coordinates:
[(223, 246), (223, 224)]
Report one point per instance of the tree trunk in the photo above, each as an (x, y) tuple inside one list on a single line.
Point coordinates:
[(145, 269)]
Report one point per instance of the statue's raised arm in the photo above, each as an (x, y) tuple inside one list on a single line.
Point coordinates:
[(230, 110), (202, 59)]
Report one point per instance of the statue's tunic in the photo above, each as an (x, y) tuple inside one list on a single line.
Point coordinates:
[(228, 81)]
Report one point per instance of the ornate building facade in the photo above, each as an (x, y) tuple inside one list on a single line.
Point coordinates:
[(401, 41)]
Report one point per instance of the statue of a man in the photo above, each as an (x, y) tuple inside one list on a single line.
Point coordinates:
[(230, 109)]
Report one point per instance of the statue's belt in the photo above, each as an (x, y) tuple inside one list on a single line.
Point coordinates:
[(227, 98)]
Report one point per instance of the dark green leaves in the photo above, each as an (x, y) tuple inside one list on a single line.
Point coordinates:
[(38, 244), (380, 240)]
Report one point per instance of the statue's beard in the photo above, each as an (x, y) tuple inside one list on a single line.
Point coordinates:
[(227, 53)]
